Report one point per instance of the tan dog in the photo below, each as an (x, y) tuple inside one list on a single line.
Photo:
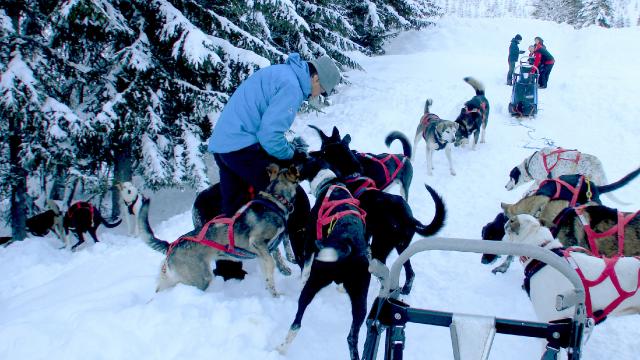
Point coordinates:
[(258, 229), (547, 283)]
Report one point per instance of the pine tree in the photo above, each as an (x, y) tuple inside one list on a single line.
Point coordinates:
[(595, 12)]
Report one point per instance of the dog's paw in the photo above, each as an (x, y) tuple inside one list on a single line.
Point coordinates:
[(284, 270), (453, 172), (499, 269)]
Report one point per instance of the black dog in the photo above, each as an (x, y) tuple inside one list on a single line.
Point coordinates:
[(207, 205), (336, 249), (390, 221), (84, 217), (41, 224), (384, 169), (493, 231), (474, 116)]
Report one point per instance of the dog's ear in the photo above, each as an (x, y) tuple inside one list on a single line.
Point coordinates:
[(272, 170), (346, 139), (335, 135), (322, 135), (506, 207)]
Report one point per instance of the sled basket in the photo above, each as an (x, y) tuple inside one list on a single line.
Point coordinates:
[(472, 335)]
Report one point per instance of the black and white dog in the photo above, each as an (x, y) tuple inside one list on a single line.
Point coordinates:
[(390, 221), (336, 249), (132, 200), (474, 116), (438, 134)]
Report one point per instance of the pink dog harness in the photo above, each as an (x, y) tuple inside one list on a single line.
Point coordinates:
[(559, 152), (575, 191), (386, 161), (327, 214)]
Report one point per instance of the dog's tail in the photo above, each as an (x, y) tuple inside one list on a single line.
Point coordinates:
[(438, 219), (427, 103), (397, 135), (620, 183), (111, 225), (475, 84), (145, 229)]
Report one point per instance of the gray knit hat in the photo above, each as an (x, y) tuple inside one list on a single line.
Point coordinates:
[(328, 73)]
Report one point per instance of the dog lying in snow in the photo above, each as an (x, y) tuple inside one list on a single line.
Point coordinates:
[(337, 249), (474, 116), (615, 279), (254, 231), (132, 200), (438, 134)]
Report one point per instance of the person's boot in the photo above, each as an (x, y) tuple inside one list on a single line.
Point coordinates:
[(229, 269)]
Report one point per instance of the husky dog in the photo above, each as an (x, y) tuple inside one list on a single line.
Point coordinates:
[(390, 221), (551, 162), (545, 283), (553, 195), (337, 249), (438, 134), (51, 219), (384, 169), (474, 116), (83, 217), (257, 229), (132, 200)]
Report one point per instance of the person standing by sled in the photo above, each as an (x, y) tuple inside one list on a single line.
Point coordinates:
[(543, 61), (514, 53), (250, 134)]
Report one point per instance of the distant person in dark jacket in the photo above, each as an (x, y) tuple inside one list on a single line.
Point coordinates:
[(514, 52), (543, 61)]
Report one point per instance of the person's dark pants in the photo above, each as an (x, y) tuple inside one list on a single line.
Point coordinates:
[(512, 66), (545, 70), (238, 171)]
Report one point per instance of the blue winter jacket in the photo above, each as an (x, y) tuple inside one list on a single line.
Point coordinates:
[(263, 108)]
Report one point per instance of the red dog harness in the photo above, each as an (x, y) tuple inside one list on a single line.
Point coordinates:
[(618, 229), (327, 216), (365, 184), (575, 191), (558, 153), (384, 160), (80, 205), (608, 272)]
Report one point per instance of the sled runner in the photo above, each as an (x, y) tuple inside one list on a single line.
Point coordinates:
[(524, 95), (471, 335)]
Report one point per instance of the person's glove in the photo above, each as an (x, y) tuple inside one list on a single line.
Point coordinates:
[(299, 144)]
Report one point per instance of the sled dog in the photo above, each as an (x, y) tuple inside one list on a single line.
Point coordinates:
[(253, 232), (438, 135)]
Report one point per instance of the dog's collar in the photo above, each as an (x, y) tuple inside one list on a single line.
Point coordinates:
[(533, 267), (280, 201), (321, 179), (131, 205), (526, 164), (438, 138)]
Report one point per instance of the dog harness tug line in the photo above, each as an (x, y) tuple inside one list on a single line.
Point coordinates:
[(325, 215), (382, 162), (558, 152), (592, 236)]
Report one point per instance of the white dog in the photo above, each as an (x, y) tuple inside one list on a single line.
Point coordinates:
[(551, 162), (132, 200), (547, 283)]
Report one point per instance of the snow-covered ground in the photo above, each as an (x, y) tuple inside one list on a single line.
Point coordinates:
[(99, 303)]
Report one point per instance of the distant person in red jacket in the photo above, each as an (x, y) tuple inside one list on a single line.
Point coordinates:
[(543, 60)]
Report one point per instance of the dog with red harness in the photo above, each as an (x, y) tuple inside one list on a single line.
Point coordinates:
[(254, 231), (336, 249), (83, 217), (383, 169), (611, 284), (438, 134)]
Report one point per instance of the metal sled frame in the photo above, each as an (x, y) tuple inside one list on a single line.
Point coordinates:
[(391, 315)]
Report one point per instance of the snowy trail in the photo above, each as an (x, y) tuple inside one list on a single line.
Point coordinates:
[(95, 304)]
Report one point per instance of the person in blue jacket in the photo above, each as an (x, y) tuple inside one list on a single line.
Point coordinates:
[(514, 52), (250, 132)]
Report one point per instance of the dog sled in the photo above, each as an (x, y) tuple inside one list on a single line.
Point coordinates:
[(472, 335), (524, 95)]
